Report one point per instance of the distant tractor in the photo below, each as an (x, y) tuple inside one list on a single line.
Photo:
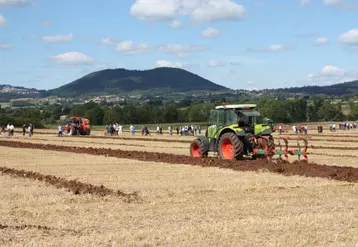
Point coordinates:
[(78, 125), (235, 131)]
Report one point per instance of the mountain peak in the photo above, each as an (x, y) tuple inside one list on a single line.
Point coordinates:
[(123, 80)]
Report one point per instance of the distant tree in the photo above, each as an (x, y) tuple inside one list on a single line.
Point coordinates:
[(170, 114), (95, 115), (330, 112)]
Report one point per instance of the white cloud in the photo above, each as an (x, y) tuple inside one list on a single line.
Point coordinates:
[(3, 21), (5, 46), (199, 10), (128, 47), (181, 51), (349, 38), (165, 63), (343, 4), (210, 33), (271, 48), (15, 3), (330, 70), (305, 2), (176, 24), (213, 10), (332, 2), (72, 58), (330, 74), (321, 41), (154, 9), (58, 38), (107, 41), (215, 63)]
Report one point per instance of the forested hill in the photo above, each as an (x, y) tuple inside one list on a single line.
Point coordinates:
[(122, 80), (340, 89)]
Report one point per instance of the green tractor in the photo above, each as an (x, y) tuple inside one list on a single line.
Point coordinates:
[(235, 131)]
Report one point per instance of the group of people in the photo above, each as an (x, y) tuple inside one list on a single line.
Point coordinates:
[(113, 129), (302, 129), (9, 128), (347, 126), (29, 128), (187, 130)]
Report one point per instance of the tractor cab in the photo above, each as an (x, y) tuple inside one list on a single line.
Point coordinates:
[(244, 117)]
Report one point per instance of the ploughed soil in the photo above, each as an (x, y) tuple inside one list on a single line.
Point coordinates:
[(301, 168), (181, 147), (74, 186)]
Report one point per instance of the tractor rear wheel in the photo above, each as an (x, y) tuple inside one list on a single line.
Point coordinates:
[(230, 147), (197, 149)]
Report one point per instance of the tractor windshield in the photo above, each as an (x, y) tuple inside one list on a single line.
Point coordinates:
[(248, 117), (232, 116)]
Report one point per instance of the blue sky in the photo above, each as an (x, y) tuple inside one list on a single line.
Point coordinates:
[(239, 44)]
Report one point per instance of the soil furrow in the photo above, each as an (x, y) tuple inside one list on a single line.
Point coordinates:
[(74, 186), (181, 147), (38, 227), (301, 168)]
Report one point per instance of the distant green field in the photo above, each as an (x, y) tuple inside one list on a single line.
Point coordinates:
[(5, 104)]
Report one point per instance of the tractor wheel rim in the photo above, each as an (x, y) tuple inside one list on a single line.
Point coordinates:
[(195, 150), (227, 149)]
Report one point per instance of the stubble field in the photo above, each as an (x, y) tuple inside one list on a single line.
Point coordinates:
[(146, 191)]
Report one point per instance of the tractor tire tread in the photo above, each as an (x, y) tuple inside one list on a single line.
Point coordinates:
[(201, 148), (237, 143)]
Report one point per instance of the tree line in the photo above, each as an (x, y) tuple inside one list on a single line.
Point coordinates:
[(311, 109)]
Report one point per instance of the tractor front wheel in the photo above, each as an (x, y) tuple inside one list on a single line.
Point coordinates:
[(230, 147), (197, 149)]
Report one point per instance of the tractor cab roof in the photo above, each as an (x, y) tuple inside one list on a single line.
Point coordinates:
[(250, 113), (246, 107)]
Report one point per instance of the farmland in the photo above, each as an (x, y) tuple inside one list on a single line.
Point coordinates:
[(146, 191)]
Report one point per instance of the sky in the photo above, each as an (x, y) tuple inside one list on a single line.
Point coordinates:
[(244, 44)]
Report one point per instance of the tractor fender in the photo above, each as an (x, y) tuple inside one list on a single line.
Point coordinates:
[(238, 131), (205, 141)]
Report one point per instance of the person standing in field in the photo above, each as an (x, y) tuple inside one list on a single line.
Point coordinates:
[(59, 128), (107, 130), (11, 130), (29, 131), (132, 129), (23, 129), (32, 129)]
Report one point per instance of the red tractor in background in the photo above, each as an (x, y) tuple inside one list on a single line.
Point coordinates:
[(78, 126)]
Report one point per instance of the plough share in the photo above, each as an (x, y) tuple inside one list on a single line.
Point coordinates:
[(266, 147)]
